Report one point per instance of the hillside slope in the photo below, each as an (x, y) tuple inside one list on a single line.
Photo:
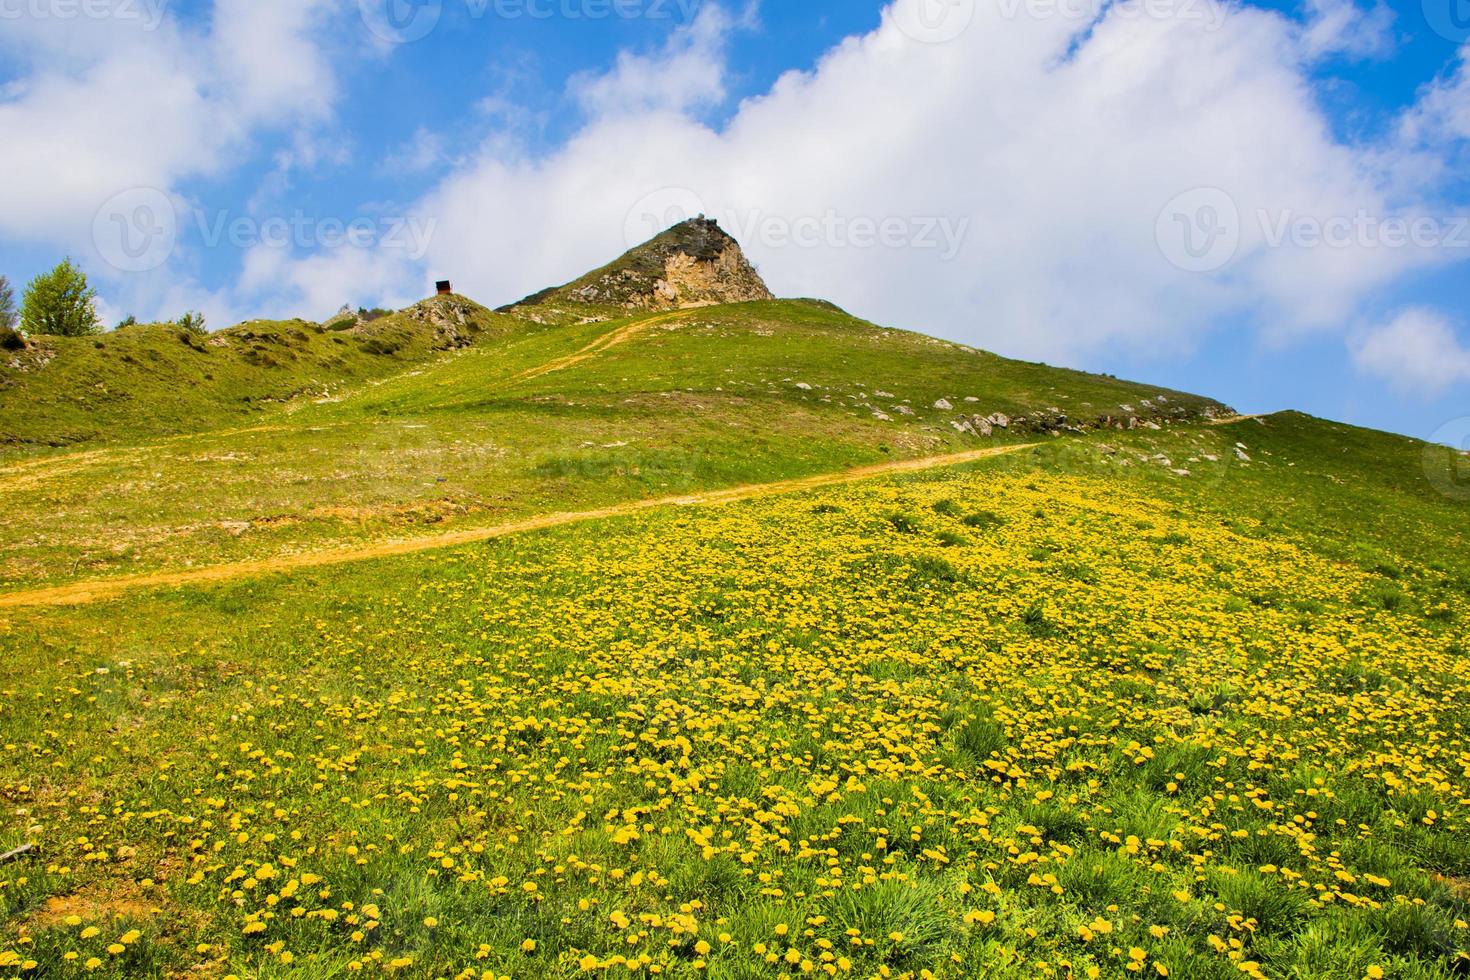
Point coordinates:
[(468, 667), (1060, 707), (158, 379), (535, 417)]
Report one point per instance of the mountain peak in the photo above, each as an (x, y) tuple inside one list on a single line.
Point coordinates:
[(694, 263)]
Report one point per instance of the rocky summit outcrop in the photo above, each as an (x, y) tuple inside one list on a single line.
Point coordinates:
[(694, 263)]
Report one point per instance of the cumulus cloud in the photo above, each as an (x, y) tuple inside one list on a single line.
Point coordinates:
[(1417, 352), (1043, 178), (688, 74), (319, 284), (420, 154), (1341, 27), (1055, 136), (1443, 112), (102, 104)]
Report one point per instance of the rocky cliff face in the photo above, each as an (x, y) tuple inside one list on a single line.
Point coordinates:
[(692, 264)]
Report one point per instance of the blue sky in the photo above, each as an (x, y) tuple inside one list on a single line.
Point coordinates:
[(1259, 202)]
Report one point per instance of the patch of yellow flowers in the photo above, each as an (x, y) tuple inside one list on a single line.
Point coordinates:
[(941, 727)]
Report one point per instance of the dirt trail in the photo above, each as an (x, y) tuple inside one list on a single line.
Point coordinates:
[(32, 471), (611, 339), (82, 593)]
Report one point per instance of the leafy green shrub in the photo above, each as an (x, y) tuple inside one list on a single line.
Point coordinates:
[(10, 339), (346, 323), (946, 506), (61, 303), (192, 322)]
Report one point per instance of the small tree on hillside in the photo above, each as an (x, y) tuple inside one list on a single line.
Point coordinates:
[(61, 303), (8, 315)]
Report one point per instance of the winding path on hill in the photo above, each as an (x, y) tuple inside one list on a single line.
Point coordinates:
[(612, 338), (23, 472), (82, 593)]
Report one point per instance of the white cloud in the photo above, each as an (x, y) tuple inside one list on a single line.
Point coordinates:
[(1052, 134), (1341, 27), (1417, 352), (687, 74), (1443, 113), (317, 285), (105, 104), (268, 56), (419, 154), (1059, 137)]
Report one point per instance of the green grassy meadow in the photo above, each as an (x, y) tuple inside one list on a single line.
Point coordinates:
[(456, 439), (1183, 701)]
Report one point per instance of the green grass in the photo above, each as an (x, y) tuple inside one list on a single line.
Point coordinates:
[(451, 440), (1198, 691), (147, 381), (818, 675)]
